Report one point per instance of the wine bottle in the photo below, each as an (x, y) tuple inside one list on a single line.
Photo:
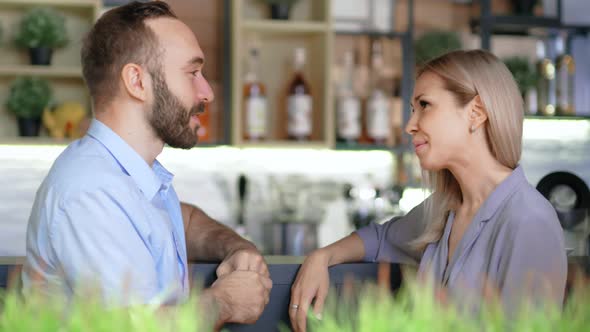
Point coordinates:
[(299, 101), (254, 104), (565, 68), (348, 105), (377, 112), (545, 81)]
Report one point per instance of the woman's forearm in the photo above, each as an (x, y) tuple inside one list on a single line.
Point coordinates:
[(348, 249)]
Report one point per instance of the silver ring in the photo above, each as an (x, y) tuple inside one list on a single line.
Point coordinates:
[(295, 306)]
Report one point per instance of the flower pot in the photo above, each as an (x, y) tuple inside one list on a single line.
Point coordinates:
[(41, 55), (523, 7), (29, 127), (280, 11)]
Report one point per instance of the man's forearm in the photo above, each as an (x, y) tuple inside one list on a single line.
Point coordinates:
[(208, 240)]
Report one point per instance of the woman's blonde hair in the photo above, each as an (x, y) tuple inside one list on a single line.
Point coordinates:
[(467, 74)]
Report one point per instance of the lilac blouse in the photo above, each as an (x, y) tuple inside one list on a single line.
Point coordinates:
[(514, 242)]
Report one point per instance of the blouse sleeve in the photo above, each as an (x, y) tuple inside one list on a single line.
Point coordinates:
[(390, 241)]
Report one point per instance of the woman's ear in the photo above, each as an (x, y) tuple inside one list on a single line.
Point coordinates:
[(477, 114)]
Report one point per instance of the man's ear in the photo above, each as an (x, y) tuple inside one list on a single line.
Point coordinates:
[(477, 113), (136, 81)]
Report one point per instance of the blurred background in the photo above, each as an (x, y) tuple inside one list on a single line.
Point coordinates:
[(304, 142)]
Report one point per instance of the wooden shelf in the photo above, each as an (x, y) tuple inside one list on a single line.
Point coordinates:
[(34, 141), (290, 27), (309, 27), (52, 3), (65, 73), (557, 117), (371, 147), (373, 34), (520, 25), (284, 145), (42, 71)]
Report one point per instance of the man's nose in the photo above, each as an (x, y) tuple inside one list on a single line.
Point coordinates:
[(204, 91)]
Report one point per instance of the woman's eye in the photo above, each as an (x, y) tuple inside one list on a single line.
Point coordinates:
[(195, 73), (423, 103)]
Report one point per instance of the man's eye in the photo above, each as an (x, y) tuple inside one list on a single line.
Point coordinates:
[(195, 73)]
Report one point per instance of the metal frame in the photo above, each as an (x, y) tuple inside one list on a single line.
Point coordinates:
[(488, 21)]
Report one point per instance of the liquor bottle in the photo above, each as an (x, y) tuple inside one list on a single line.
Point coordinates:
[(348, 105), (545, 82), (377, 112), (299, 101), (254, 102), (564, 79)]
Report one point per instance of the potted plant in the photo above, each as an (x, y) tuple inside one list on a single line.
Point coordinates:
[(41, 30), (27, 99), (523, 73), (280, 9), (435, 43)]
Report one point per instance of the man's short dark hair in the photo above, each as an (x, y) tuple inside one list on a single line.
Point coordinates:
[(120, 37)]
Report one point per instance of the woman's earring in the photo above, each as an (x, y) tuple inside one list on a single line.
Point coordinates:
[(472, 129)]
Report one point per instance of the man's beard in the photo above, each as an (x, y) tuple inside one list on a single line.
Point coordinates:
[(170, 119)]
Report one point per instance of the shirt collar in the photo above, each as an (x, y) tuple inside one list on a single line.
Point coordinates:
[(501, 193), (149, 180)]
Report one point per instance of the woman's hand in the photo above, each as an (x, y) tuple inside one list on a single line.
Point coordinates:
[(312, 282)]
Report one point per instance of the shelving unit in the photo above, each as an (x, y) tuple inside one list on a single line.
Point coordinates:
[(407, 82), (310, 27), (489, 25), (41, 71), (65, 72), (272, 26)]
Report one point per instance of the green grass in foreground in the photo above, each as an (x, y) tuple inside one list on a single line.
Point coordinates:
[(414, 308)]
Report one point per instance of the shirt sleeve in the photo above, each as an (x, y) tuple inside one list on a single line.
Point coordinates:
[(534, 263), (390, 241), (96, 245)]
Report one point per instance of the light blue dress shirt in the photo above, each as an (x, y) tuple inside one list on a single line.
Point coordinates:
[(104, 217)]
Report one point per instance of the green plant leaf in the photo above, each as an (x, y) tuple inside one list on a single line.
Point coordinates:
[(434, 44), (42, 27), (28, 97), (522, 71)]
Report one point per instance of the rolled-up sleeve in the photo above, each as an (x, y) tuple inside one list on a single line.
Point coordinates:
[(390, 241), (534, 263)]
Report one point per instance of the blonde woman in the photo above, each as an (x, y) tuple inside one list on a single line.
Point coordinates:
[(484, 225)]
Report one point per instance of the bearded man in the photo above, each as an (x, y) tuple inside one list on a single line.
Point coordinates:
[(107, 211)]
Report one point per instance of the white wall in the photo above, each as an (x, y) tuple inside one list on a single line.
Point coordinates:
[(206, 177)]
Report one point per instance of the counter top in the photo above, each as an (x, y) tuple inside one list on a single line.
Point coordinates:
[(583, 261)]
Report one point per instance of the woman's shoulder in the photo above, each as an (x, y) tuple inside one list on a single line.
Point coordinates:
[(527, 207)]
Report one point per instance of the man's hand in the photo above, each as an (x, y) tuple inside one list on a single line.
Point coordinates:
[(241, 296), (248, 259)]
